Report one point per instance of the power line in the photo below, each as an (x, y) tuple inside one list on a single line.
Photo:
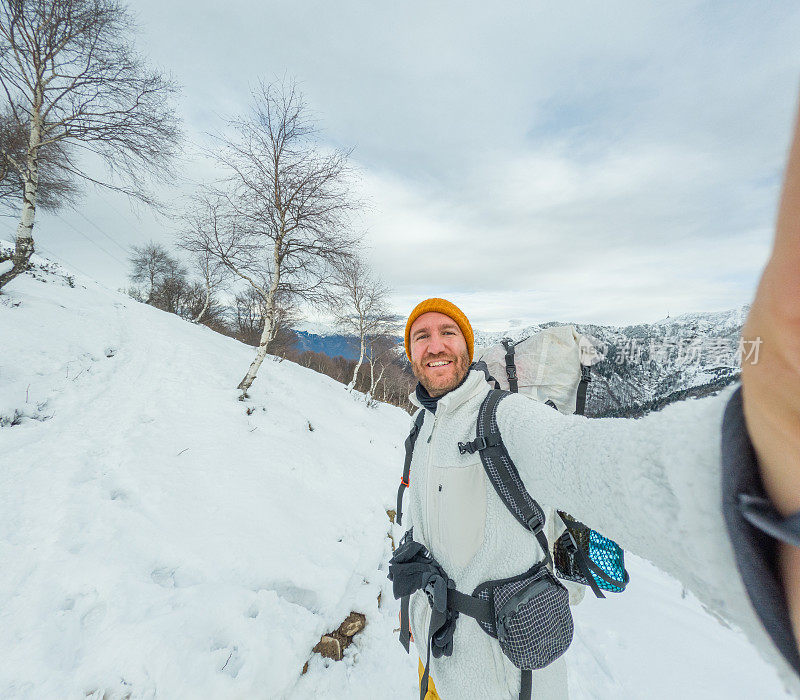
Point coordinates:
[(113, 240), (50, 253), (93, 242), (119, 213)]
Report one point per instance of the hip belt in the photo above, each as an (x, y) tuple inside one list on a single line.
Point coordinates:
[(528, 614)]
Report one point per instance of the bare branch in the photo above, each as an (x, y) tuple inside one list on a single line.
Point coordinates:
[(281, 219), (71, 78), (361, 308)]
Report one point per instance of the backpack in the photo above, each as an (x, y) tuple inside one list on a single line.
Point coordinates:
[(553, 366), (528, 614)]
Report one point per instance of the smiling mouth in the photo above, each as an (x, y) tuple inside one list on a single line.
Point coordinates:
[(439, 363)]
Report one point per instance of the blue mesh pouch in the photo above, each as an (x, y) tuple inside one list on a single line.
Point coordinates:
[(583, 555)]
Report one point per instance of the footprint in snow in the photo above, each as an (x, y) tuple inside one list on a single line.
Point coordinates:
[(93, 616), (164, 577), (175, 577)]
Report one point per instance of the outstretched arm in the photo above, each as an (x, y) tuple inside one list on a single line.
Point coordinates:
[(654, 484), (771, 386)]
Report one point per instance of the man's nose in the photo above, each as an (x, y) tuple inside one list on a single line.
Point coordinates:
[(435, 344)]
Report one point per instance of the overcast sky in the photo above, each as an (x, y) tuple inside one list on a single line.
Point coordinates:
[(608, 162)]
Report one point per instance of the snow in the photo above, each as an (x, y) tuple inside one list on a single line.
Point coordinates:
[(161, 539)]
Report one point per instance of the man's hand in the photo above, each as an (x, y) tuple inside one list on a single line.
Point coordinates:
[(771, 385)]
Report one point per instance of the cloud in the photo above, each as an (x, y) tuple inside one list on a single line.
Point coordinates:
[(589, 161), (623, 237)]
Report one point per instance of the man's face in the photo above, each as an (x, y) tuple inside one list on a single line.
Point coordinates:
[(439, 354)]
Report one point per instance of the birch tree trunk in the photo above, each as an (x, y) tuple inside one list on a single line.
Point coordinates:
[(269, 323), (378, 381), (205, 306), (23, 248), (352, 383)]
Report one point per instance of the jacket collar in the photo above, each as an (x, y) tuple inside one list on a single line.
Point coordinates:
[(474, 383)]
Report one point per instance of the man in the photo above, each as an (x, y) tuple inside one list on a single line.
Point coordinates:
[(468, 530), (670, 505)]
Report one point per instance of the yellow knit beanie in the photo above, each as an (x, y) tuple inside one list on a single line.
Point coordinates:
[(447, 308)]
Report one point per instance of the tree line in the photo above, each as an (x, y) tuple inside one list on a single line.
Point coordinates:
[(381, 372)]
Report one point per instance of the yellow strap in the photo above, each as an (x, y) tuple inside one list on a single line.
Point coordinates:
[(431, 694)]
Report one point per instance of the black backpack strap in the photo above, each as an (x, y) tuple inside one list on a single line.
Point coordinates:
[(405, 628), (411, 440), (603, 575), (482, 610), (586, 377), (477, 608), (526, 685), (502, 472), (511, 368)]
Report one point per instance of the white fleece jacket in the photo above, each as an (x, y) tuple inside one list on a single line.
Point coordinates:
[(652, 485)]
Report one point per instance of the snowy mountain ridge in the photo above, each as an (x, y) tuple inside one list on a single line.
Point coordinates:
[(648, 366), (161, 539)]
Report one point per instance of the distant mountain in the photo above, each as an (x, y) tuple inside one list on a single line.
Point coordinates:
[(331, 345), (648, 366)]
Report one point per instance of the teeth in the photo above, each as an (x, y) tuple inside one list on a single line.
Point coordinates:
[(439, 364)]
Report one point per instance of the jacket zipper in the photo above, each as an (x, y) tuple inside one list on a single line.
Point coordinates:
[(429, 486)]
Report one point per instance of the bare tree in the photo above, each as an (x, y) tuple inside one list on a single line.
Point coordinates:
[(382, 351), (214, 275), (360, 307), (70, 77), (162, 280), (281, 224), (175, 293), (56, 186), (214, 313), (248, 321), (150, 264), (285, 317), (248, 316)]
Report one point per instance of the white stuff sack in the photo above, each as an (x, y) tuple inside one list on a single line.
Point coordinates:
[(548, 365)]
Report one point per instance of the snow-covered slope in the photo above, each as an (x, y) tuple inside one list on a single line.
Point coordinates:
[(160, 539)]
